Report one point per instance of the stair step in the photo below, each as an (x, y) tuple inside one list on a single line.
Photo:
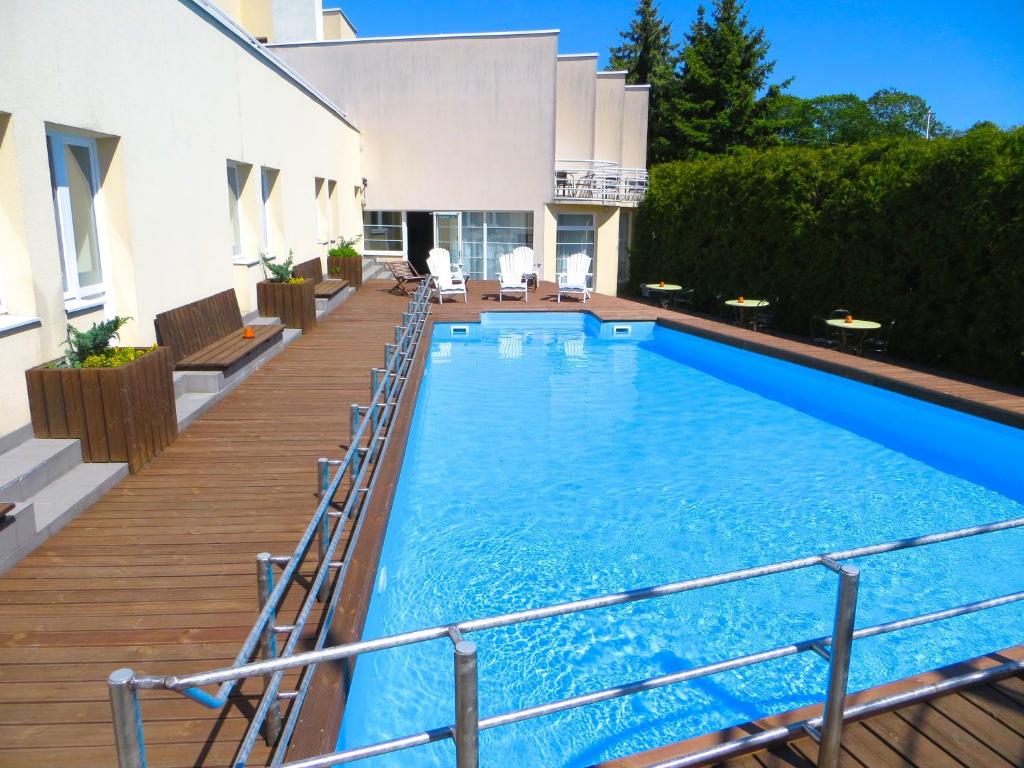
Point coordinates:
[(31, 466), (17, 530), (62, 501), (191, 405)]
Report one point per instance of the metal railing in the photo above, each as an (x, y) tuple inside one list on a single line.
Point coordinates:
[(599, 181), (354, 476), (834, 648)]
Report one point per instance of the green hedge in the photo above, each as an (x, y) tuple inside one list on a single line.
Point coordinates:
[(929, 233)]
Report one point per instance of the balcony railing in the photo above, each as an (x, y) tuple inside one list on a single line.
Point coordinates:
[(599, 181)]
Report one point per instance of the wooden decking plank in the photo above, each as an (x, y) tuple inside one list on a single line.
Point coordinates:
[(995, 735), (951, 736)]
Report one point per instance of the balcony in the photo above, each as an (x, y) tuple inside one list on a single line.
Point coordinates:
[(599, 181)]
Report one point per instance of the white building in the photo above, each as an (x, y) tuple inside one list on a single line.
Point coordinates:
[(149, 151)]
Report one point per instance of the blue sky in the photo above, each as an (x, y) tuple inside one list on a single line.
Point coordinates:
[(965, 59)]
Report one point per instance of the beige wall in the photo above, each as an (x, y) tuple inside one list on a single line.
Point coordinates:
[(634, 126), (453, 123), (170, 98), (336, 26), (609, 102), (606, 243), (574, 119)]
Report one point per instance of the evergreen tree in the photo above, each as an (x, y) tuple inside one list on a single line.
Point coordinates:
[(649, 56), (724, 97)]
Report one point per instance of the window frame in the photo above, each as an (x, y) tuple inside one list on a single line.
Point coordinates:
[(75, 293), (592, 228), (266, 209), (236, 246), (404, 253)]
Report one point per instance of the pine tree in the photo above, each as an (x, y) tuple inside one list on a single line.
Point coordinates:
[(649, 56), (724, 99)]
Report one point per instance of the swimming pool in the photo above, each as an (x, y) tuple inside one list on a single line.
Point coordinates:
[(552, 457)]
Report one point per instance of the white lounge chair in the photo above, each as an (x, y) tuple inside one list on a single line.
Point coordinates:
[(511, 279), (524, 255), (574, 278), (454, 269), (443, 280)]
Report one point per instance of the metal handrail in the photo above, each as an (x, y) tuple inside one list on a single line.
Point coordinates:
[(835, 648), (387, 391)]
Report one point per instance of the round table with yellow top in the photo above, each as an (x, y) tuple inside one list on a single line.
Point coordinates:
[(664, 289), (860, 327), (746, 304)]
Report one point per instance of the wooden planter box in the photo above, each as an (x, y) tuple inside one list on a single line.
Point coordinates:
[(119, 414), (294, 303), (346, 268)]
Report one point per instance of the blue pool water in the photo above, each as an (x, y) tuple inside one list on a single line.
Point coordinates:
[(550, 460)]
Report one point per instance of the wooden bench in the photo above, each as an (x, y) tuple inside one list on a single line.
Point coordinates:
[(206, 335), (314, 270)]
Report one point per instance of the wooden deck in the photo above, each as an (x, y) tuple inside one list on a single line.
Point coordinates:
[(159, 575)]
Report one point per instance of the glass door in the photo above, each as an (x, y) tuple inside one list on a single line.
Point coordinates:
[(446, 234)]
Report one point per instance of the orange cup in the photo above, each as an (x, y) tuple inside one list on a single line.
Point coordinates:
[(849, 319), (248, 333), (740, 299), (661, 284)]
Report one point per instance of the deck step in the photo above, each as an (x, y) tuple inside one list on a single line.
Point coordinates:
[(29, 467), (63, 500)]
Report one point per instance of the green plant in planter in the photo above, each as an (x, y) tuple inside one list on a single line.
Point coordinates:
[(281, 273), (345, 249), (87, 348)]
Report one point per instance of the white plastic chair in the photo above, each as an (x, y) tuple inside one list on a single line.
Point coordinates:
[(511, 279), (574, 278), (524, 255), (443, 279), (454, 269)]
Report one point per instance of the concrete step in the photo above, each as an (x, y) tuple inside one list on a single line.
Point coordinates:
[(17, 530), (191, 405), (31, 466), (63, 500), (375, 271)]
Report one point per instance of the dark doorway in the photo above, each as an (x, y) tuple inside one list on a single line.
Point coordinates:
[(419, 226)]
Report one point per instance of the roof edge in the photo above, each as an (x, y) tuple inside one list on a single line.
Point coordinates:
[(232, 27), (578, 55), (400, 38)]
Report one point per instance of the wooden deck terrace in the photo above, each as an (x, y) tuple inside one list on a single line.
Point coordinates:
[(159, 575)]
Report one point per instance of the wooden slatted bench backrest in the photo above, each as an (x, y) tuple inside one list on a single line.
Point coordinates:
[(189, 328), (311, 270)]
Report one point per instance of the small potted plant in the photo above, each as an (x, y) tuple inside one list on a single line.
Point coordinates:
[(282, 294), (345, 263), (117, 401)]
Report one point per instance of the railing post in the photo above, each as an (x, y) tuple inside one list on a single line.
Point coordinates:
[(354, 442), (839, 666), (323, 477), (467, 713), (127, 717), (398, 335), (374, 401), (268, 641)]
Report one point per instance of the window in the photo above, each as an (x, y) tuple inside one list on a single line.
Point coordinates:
[(486, 236), (74, 179), (333, 231), (322, 216), (384, 233), (270, 220), (575, 234), (234, 193)]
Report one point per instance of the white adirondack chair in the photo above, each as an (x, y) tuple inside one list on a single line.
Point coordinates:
[(442, 278), (511, 279), (524, 255), (454, 269), (574, 278)]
